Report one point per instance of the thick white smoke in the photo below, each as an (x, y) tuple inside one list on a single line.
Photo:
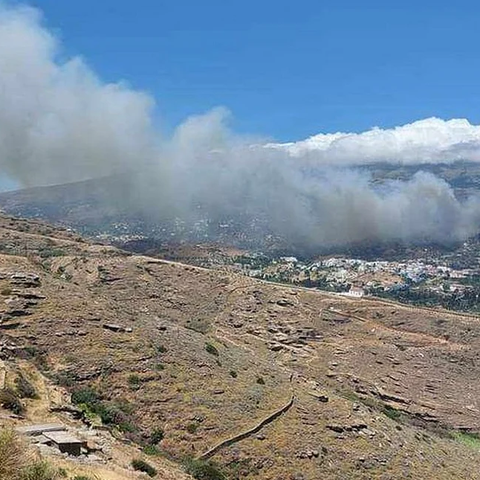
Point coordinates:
[(60, 123), (319, 205)]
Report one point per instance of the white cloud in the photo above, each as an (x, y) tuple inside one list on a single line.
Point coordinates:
[(432, 140)]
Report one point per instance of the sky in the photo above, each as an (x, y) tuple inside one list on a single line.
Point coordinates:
[(285, 69)]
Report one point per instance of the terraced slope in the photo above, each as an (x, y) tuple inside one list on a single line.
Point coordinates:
[(381, 391)]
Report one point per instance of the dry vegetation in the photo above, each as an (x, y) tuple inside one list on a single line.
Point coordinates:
[(177, 359)]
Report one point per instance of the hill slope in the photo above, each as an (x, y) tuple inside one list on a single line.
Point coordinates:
[(288, 383)]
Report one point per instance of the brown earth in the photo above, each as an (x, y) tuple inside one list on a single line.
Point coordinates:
[(380, 390)]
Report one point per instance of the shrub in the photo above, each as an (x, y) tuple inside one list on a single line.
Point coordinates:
[(260, 381), (116, 414), (202, 470), (157, 436), (31, 351), (24, 388), (134, 380), (51, 252), (233, 374), (239, 469), (192, 427), (113, 415), (391, 412), (161, 349), (12, 455), (86, 396), (41, 471), (10, 401), (64, 379), (469, 439), (151, 450), (142, 466), (39, 356), (211, 349), (6, 291)]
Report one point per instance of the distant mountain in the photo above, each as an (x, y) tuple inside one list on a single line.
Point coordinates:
[(86, 205), (100, 208)]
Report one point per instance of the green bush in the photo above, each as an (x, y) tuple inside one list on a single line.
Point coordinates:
[(157, 436), (469, 439), (86, 396), (112, 414), (192, 427), (203, 470), (391, 412), (64, 379), (41, 471), (6, 291), (198, 325), (233, 374), (134, 380), (31, 351), (116, 414), (151, 450), (260, 381), (39, 356), (51, 252), (240, 469), (12, 455), (142, 466), (211, 349)]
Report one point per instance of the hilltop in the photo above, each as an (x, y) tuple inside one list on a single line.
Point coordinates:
[(288, 383)]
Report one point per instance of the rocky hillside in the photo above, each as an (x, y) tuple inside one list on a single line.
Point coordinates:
[(265, 381)]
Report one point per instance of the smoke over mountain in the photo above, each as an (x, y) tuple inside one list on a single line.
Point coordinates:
[(60, 123)]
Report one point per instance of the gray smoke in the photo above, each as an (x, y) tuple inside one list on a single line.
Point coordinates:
[(60, 123)]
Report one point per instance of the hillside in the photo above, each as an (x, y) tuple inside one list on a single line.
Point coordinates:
[(289, 383)]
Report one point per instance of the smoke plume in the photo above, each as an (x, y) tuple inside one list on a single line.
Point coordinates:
[(60, 123)]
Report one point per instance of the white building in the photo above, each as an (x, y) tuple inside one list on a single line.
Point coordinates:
[(355, 292)]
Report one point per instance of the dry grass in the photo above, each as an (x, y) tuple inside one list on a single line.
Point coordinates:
[(13, 456), (17, 463), (218, 392)]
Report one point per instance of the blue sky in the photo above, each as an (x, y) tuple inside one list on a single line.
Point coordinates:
[(285, 69)]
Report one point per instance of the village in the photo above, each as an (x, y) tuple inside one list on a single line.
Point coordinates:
[(403, 280)]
